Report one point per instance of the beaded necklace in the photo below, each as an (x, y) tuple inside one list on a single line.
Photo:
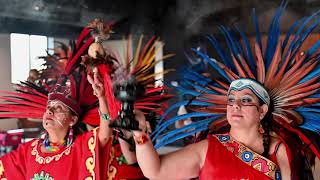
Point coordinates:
[(53, 147)]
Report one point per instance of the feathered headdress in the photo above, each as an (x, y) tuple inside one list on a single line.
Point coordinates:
[(54, 64), (290, 76), (138, 63), (72, 88)]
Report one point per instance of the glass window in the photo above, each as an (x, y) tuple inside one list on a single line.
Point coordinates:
[(25, 50), (20, 64)]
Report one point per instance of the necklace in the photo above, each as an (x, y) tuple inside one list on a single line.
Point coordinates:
[(53, 147)]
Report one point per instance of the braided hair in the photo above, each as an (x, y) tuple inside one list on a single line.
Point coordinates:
[(266, 125)]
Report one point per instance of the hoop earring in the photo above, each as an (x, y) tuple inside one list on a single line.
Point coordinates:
[(261, 130)]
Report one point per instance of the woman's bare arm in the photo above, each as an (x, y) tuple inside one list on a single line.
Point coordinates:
[(125, 149), (182, 164), (105, 132), (283, 162)]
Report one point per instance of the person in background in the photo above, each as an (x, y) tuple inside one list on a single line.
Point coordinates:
[(33, 76)]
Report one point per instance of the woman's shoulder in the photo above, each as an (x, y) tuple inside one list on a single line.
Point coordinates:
[(275, 142), (280, 151), (199, 145), (200, 149), (278, 148)]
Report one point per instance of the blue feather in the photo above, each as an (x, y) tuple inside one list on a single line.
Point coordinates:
[(167, 123), (188, 127), (308, 109), (161, 127), (316, 105), (314, 48), (192, 88), (304, 24), (249, 51), (256, 23), (217, 85), (226, 59), (184, 91), (300, 30), (157, 146), (176, 106), (213, 64), (312, 74), (273, 36), (200, 79), (182, 103), (228, 40), (201, 88), (297, 45), (290, 31), (315, 96), (239, 47), (232, 41), (311, 121)]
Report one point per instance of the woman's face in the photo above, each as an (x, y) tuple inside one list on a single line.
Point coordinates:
[(57, 116), (244, 109)]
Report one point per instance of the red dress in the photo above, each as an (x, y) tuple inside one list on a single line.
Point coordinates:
[(119, 170), (81, 160), (227, 159)]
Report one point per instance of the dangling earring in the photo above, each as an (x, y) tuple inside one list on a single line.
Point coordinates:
[(45, 137), (70, 136), (261, 130)]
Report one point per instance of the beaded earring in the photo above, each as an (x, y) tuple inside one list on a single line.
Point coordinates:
[(70, 136)]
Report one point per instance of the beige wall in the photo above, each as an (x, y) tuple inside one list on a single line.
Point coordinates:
[(5, 76), (5, 65)]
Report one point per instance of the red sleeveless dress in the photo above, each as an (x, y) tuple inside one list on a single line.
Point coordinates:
[(221, 163)]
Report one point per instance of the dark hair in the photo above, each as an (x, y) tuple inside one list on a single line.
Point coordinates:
[(266, 125)]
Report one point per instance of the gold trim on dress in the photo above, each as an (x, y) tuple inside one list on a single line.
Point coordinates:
[(90, 162), (111, 171), (248, 156), (1, 169)]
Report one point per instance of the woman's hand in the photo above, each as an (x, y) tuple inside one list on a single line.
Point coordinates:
[(97, 83), (105, 133), (144, 125)]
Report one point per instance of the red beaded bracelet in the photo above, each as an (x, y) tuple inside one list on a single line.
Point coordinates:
[(142, 139)]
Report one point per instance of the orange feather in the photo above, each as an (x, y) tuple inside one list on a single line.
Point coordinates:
[(260, 64)]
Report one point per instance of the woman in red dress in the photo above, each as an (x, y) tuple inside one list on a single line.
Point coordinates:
[(234, 155), (264, 111), (64, 152)]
